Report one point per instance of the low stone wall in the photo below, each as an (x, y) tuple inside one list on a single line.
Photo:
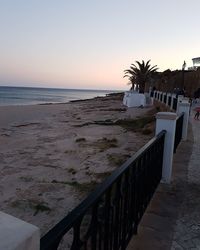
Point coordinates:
[(16, 234), (135, 99)]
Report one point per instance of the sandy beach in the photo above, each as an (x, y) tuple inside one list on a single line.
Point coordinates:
[(52, 156)]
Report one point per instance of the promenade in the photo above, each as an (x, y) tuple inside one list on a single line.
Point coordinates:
[(172, 221)]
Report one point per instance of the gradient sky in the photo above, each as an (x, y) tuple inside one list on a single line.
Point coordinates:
[(88, 43)]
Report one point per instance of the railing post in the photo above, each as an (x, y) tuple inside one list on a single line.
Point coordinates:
[(163, 97), (156, 95), (150, 90), (184, 107), (168, 95), (17, 234), (179, 99), (160, 96), (172, 101), (167, 121)]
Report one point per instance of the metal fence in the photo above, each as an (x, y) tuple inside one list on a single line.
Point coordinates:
[(169, 101), (165, 98), (110, 215), (161, 96), (175, 100), (178, 131)]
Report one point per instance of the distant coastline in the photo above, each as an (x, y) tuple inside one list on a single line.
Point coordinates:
[(32, 96)]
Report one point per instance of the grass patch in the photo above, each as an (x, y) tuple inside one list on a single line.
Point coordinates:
[(31, 204), (115, 109), (104, 143), (85, 187), (147, 131), (26, 178), (129, 124), (71, 171), (117, 159), (80, 139), (63, 182), (88, 173), (158, 108), (69, 151), (103, 175), (135, 124), (41, 207)]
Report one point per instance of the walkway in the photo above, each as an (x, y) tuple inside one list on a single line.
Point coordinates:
[(172, 221)]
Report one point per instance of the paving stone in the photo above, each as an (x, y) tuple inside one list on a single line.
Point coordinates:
[(190, 208), (172, 221)]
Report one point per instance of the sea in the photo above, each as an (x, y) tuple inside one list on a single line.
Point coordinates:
[(31, 96)]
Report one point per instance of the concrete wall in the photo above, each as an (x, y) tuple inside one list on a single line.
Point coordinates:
[(16, 234)]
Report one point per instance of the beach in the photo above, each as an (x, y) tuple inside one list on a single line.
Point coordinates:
[(53, 155)]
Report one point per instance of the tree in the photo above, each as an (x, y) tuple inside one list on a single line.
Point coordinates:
[(140, 74)]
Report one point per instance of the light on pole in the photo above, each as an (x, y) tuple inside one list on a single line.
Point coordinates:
[(183, 69)]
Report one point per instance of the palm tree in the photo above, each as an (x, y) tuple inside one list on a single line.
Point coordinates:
[(140, 74)]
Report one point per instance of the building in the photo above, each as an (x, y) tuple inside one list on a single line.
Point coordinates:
[(196, 63)]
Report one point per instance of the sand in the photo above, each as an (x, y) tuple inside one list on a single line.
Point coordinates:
[(52, 156)]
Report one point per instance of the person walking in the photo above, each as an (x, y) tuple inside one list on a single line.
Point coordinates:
[(197, 109)]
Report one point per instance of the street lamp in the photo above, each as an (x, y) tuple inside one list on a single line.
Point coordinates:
[(183, 69), (184, 65)]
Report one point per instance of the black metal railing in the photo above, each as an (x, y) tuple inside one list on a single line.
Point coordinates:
[(165, 98), (175, 103), (110, 215), (178, 131), (169, 101)]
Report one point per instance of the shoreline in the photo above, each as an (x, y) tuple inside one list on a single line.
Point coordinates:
[(34, 96), (52, 156)]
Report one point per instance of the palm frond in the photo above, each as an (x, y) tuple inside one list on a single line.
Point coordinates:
[(140, 72)]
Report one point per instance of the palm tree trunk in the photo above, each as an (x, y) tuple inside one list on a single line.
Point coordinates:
[(142, 88)]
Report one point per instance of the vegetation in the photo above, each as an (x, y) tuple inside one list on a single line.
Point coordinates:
[(37, 206), (140, 74), (102, 175), (135, 124), (41, 207), (80, 139), (72, 171), (26, 178), (105, 143), (117, 159), (85, 187)]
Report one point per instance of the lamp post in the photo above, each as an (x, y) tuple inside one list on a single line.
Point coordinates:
[(183, 69)]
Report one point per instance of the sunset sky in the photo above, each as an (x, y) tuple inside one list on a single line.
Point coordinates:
[(88, 43)]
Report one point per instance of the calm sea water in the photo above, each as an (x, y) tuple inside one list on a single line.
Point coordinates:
[(29, 96)]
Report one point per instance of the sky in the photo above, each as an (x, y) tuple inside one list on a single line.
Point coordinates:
[(89, 43)]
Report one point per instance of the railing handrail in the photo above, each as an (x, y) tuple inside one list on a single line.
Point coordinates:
[(67, 222)]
